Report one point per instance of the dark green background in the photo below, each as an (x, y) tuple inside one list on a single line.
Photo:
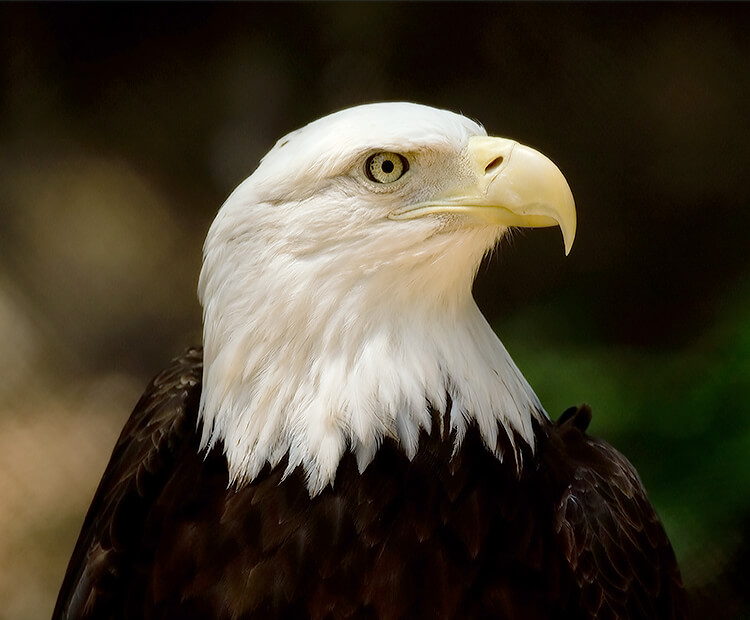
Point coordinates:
[(123, 128)]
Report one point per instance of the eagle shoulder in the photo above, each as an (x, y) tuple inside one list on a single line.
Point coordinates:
[(607, 529), (161, 427)]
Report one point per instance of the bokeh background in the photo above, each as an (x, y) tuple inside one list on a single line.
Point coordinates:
[(123, 128)]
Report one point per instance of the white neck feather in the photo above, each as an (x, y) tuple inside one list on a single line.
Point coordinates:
[(311, 351)]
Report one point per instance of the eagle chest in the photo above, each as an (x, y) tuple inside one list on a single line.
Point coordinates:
[(434, 537)]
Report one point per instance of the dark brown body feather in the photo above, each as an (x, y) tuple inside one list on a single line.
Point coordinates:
[(465, 536)]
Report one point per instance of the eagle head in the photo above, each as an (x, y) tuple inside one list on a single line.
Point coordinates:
[(336, 290)]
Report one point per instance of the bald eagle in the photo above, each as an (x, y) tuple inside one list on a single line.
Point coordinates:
[(353, 440)]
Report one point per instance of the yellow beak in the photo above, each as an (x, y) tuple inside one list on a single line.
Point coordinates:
[(512, 185)]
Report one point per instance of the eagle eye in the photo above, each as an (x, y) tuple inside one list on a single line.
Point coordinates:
[(386, 167)]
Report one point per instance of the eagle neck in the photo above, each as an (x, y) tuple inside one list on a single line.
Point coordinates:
[(310, 354), (309, 386)]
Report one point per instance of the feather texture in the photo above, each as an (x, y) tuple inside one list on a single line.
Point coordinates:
[(441, 535)]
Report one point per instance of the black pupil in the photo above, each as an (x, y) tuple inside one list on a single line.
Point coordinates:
[(387, 166)]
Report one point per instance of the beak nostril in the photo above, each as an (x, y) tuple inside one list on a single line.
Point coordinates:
[(494, 164)]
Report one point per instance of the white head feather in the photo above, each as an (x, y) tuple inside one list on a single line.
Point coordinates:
[(329, 326)]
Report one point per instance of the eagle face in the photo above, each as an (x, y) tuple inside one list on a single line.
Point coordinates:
[(350, 252), (440, 167)]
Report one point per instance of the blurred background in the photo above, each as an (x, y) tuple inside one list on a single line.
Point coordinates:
[(124, 127)]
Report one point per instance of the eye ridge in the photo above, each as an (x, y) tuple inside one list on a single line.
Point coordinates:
[(385, 167)]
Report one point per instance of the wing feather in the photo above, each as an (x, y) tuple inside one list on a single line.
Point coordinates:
[(156, 432), (607, 529)]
